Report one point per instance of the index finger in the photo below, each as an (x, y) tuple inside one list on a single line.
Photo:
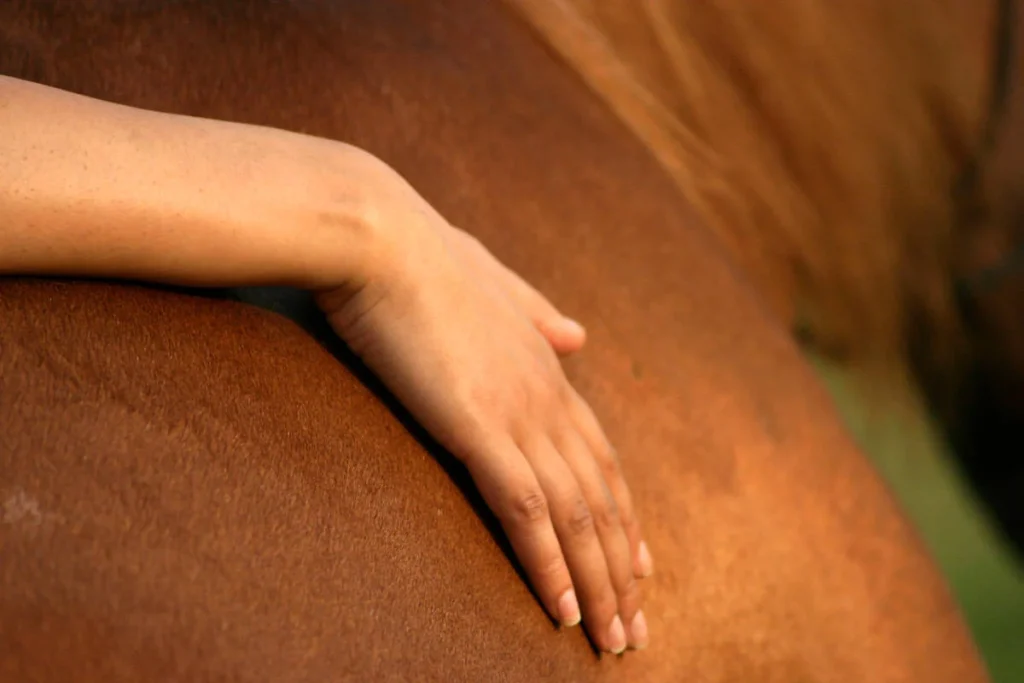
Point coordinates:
[(608, 460)]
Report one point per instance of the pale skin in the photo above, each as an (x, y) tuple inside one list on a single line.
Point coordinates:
[(90, 188)]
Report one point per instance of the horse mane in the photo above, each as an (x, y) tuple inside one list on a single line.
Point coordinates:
[(820, 140)]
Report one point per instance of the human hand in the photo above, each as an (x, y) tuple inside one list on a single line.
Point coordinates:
[(470, 349)]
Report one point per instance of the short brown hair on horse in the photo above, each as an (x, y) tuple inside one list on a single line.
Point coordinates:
[(194, 489), (828, 144)]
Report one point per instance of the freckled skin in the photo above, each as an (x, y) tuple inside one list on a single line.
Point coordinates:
[(234, 503)]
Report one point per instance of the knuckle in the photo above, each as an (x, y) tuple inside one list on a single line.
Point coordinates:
[(518, 397), (528, 507), (629, 593), (539, 391), (580, 520), (608, 462), (553, 570), (606, 515), (537, 380), (480, 411), (627, 516)]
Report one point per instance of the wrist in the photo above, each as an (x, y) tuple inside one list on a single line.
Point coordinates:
[(369, 225), (340, 198), (313, 212)]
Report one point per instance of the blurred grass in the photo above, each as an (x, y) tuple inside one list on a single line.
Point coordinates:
[(984, 576)]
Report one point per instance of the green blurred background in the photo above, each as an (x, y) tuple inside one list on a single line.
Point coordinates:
[(985, 577)]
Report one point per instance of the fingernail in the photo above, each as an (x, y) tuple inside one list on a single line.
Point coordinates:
[(616, 637), (644, 559), (568, 608), (638, 632)]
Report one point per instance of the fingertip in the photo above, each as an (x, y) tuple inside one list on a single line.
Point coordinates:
[(644, 561), (575, 330), (639, 637), (568, 609), (566, 335), (617, 642)]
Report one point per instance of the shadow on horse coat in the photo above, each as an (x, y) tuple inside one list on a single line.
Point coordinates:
[(194, 489)]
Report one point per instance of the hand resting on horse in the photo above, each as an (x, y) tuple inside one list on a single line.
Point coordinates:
[(89, 188)]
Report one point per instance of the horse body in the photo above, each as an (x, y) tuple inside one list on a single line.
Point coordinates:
[(194, 489), (988, 421), (863, 163)]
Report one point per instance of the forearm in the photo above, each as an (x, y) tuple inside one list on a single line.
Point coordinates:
[(92, 188)]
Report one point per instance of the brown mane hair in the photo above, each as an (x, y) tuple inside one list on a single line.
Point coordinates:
[(820, 140)]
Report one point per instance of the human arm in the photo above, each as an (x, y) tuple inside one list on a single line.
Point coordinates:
[(92, 188)]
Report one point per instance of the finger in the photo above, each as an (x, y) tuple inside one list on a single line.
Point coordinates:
[(612, 536), (564, 334), (511, 489), (576, 528), (606, 456)]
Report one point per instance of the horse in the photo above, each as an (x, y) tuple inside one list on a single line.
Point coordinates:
[(863, 162), (195, 487), (990, 412)]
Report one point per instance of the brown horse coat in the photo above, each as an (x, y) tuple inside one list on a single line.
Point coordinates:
[(863, 162), (194, 490)]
